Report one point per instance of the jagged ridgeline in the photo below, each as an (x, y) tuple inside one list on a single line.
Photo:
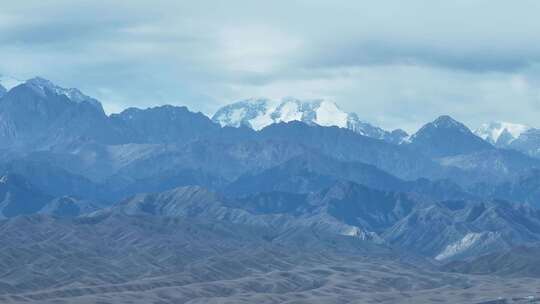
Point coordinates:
[(268, 201)]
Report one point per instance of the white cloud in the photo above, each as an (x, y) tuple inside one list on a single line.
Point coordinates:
[(256, 49)]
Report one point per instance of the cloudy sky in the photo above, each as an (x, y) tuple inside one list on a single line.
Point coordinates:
[(395, 63)]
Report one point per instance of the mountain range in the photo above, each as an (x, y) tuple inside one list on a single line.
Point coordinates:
[(266, 199), (260, 113)]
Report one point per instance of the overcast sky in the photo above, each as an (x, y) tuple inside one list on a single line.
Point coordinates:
[(395, 63)]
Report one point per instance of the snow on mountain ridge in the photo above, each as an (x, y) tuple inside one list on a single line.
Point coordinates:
[(253, 113), (259, 113), (328, 114), (40, 85), (492, 131)]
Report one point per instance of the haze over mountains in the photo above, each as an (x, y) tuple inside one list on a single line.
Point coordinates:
[(177, 192)]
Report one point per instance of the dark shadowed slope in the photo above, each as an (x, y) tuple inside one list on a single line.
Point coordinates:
[(447, 137), (18, 197), (313, 172)]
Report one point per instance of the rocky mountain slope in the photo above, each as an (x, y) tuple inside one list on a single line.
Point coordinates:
[(442, 230), (138, 259)]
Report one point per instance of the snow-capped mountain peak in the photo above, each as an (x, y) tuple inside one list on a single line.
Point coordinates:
[(318, 111), (41, 85), (495, 131), (259, 113), (445, 121), (254, 113)]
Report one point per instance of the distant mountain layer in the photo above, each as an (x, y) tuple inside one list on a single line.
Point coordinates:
[(71, 147)]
